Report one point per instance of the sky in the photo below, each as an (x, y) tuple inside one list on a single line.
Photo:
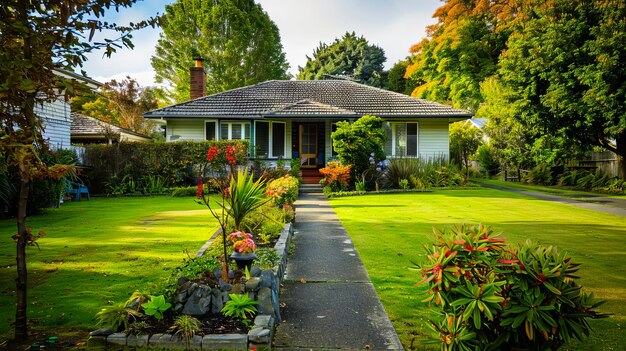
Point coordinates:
[(394, 25)]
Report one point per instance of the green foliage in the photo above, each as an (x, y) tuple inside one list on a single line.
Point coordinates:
[(359, 186), (266, 223), (294, 169), (564, 72), (396, 80), (245, 196), (172, 162), (238, 41), (350, 57), (194, 267), (156, 306), (355, 142), (421, 174), (267, 258), (485, 156), (186, 326), (464, 141), (138, 328), (241, 307), (540, 175), (493, 296), (184, 191), (116, 316), (121, 103)]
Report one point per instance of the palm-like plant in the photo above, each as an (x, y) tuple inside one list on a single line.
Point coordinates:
[(245, 196)]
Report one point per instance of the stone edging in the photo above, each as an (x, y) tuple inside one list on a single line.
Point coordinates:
[(260, 335)]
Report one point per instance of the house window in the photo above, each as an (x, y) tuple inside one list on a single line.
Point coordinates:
[(269, 139), (401, 139), (234, 131), (210, 130)]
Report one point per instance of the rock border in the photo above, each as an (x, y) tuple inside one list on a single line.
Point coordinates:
[(260, 336)]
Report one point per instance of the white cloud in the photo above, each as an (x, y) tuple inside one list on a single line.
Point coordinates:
[(144, 78)]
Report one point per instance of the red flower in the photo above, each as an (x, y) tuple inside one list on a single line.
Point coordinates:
[(199, 189), (212, 153)]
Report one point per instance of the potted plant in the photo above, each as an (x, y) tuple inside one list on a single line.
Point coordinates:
[(244, 248)]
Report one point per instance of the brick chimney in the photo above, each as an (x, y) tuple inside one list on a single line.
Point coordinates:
[(198, 80)]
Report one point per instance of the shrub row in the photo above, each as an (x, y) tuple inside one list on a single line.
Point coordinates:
[(173, 163)]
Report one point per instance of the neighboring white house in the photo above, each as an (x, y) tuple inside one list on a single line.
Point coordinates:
[(295, 119), (56, 115)]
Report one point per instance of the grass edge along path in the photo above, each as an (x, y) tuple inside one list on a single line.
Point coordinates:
[(99, 251), (389, 232)]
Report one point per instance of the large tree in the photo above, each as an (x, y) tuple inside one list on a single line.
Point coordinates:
[(121, 103), (462, 49), (238, 41), (38, 38), (566, 69), (350, 57)]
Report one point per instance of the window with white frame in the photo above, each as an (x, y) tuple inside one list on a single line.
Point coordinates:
[(269, 139), (210, 130), (401, 139), (234, 130)]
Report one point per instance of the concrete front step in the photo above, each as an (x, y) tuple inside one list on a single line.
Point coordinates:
[(310, 188)]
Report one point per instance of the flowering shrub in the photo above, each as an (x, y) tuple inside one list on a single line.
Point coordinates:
[(242, 242), (494, 296), (283, 190), (336, 176)]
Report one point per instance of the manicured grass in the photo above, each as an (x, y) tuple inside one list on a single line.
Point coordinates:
[(551, 189), (389, 231), (99, 251)]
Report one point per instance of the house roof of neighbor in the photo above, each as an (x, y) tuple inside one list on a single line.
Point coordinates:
[(85, 125), (307, 98)]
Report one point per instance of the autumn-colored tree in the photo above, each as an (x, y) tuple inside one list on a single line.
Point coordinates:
[(121, 103), (462, 49), (38, 38)]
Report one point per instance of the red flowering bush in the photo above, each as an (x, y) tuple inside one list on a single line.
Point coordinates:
[(494, 296)]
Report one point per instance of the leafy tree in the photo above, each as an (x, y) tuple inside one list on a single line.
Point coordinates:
[(396, 80), (350, 57), (37, 38), (238, 41), (462, 49), (567, 76), (120, 103), (464, 141), (355, 142), (507, 137)]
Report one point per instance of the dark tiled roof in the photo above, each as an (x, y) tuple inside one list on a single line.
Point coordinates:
[(86, 125), (304, 98)]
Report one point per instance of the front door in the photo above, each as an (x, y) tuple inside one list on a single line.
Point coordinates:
[(308, 145)]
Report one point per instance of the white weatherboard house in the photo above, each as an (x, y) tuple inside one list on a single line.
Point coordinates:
[(295, 119), (56, 115)]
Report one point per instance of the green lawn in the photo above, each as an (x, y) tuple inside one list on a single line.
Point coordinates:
[(550, 189), (98, 251), (389, 230)]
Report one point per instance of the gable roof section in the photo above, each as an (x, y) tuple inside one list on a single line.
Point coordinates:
[(307, 98), (88, 126)]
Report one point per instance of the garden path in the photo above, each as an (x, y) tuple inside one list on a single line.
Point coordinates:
[(595, 203), (330, 302)]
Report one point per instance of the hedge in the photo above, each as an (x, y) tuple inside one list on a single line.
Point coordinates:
[(174, 162)]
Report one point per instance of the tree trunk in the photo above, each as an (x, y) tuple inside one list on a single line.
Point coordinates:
[(21, 327), (620, 150)]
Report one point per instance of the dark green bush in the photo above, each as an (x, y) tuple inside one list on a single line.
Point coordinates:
[(486, 161), (176, 163), (184, 191)]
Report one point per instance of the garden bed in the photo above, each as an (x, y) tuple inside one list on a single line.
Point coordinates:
[(263, 285)]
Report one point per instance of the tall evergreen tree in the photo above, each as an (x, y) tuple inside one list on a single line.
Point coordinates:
[(350, 57), (238, 41)]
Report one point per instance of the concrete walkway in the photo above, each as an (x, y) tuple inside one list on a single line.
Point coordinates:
[(595, 203), (330, 302)]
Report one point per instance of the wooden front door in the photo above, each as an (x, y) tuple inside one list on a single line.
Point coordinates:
[(308, 145)]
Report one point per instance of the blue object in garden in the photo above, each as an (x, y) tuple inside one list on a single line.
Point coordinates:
[(76, 188)]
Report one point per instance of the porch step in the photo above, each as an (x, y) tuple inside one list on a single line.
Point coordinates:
[(310, 188), (311, 176)]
